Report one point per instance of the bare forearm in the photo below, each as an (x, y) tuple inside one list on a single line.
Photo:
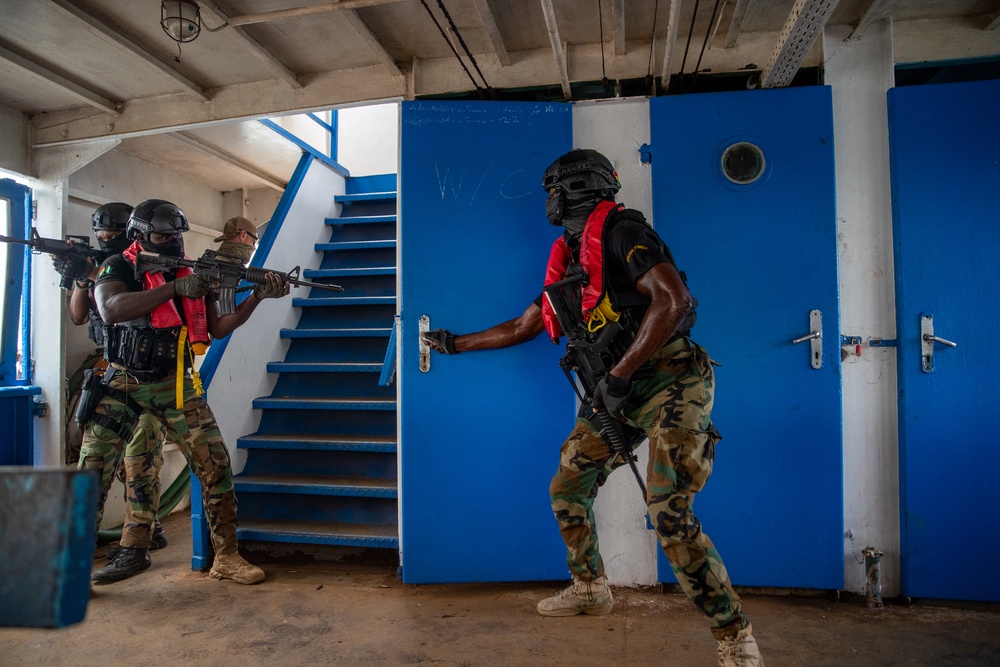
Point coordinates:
[(123, 306), (512, 332), (79, 305), (657, 327), (221, 326)]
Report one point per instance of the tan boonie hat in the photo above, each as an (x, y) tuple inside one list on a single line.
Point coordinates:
[(236, 225)]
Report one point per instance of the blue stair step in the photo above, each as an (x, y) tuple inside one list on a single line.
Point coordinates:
[(324, 367), (341, 273), (336, 333), (361, 220), (316, 532), (365, 196), (319, 485), (355, 245), (288, 403), (309, 302), (334, 443)]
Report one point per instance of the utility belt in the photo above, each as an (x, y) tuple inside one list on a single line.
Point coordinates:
[(145, 353), (95, 387)]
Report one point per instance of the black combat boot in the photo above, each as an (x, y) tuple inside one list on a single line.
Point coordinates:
[(157, 541), (129, 562)]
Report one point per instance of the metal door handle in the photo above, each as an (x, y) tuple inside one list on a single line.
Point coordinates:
[(815, 338), (934, 339), (927, 340)]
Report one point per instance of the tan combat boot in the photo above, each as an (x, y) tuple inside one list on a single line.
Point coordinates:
[(234, 567), (740, 650), (583, 597)]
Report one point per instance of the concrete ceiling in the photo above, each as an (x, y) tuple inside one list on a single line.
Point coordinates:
[(92, 71)]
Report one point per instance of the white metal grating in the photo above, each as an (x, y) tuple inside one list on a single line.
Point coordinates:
[(804, 25)]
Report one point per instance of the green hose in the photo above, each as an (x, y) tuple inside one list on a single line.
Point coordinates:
[(169, 499)]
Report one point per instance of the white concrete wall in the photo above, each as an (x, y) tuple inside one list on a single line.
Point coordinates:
[(617, 128), (14, 143), (860, 75), (242, 374), (368, 139)]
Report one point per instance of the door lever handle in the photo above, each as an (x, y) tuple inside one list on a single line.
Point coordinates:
[(808, 336), (934, 339)]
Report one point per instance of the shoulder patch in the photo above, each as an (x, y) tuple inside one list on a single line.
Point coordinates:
[(637, 247), (105, 270)]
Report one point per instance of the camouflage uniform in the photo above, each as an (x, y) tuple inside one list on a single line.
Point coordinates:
[(673, 408), (196, 434)]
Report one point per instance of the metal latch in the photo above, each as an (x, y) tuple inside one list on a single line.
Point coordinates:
[(815, 338), (425, 351), (927, 340)]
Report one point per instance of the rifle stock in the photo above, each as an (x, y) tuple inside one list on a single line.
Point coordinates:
[(227, 273)]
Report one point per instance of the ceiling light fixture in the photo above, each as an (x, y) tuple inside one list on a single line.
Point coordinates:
[(180, 19)]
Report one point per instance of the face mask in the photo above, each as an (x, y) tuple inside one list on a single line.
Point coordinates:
[(576, 212), (240, 251), (173, 247), (115, 246)]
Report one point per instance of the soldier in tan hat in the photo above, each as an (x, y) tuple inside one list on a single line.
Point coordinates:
[(239, 239)]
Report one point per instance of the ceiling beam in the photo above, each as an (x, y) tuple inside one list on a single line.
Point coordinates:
[(112, 33), (994, 23), (875, 12), (673, 19), (803, 27), (618, 27), (85, 95), (558, 50), (229, 159), (293, 12), (285, 74), (736, 24), (372, 41), (490, 23)]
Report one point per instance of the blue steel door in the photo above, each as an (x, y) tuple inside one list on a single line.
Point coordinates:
[(760, 256), (479, 432), (946, 230)]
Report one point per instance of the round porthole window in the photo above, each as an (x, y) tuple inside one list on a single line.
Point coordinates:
[(743, 163)]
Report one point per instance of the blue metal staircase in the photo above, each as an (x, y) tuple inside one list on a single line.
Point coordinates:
[(321, 468)]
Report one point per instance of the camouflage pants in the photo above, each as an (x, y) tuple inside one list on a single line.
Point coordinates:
[(675, 413), (196, 434)]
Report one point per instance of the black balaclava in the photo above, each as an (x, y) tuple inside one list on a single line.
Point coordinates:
[(115, 246), (174, 247), (571, 211)]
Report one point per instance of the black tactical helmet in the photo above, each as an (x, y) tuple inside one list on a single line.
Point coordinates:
[(111, 217), (582, 171), (156, 215)]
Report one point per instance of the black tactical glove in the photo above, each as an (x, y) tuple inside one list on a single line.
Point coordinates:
[(71, 266), (441, 340), (612, 394), (193, 286)]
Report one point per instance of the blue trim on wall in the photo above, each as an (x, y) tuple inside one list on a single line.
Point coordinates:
[(18, 264), (325, 159), (264, 245), (330, 127)]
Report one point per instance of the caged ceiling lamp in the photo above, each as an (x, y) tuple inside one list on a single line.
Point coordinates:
[(180, 19)]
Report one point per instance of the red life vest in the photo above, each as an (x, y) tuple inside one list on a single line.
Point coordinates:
[(591, 259), (165, 316)]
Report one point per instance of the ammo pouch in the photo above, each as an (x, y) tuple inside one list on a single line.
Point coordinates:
[(146, 353), (95, 328)]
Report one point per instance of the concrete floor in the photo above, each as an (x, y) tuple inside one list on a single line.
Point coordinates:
[(308, 613)]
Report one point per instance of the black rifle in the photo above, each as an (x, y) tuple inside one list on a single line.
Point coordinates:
[(76, 246), (589, 357), (227, 273)]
